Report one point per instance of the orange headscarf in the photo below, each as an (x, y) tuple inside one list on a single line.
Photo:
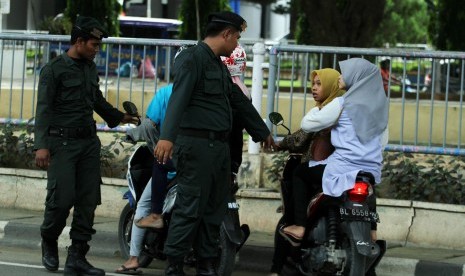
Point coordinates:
[(329, 82)]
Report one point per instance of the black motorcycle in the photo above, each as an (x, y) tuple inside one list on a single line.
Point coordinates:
[(337, 240), (140, 164)]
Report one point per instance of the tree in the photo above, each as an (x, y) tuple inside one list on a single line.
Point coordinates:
[(404, 21), (105, 11), (188, 15), (446, 18), (349, 23)]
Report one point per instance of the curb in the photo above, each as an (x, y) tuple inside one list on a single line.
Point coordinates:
[(28, 236), (105, 243), (252, 257)]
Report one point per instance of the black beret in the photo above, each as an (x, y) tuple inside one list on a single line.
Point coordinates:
[(91, 26), (229, 18)]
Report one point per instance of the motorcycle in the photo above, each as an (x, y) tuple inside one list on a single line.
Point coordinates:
[(140, 164), (337, 239)]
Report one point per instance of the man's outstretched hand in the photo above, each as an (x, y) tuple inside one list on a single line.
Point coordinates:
[(268, 144)]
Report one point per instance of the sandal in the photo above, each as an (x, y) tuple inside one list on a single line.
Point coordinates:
[(291, 238), (128, 270)]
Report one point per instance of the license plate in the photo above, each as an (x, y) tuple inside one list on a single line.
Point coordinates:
[(233, 205), (358, 214)]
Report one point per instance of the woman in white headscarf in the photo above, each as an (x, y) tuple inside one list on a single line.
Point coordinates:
[(357, 133)]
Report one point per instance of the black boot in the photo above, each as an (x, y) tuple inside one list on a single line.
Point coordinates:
[(206, 267), (50, 254), (175, 267), (76, 263)]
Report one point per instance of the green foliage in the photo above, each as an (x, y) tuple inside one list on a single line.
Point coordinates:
[(188, 15), (105, 11), (444, 30), (435, 179), (17, 151), (16, 146), (114, 157), (57, 26), (283, 8), (404, 21), (302, 32), (275, 170), (428, 178)]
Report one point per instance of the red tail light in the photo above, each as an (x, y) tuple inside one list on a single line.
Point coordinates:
[(359, 192)]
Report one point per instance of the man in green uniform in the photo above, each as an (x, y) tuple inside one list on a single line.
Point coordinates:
[(67, 145), (199, 120)]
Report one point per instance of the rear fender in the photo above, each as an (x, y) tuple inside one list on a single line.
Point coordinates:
[(359, 232), (232, 226), (132, 202)]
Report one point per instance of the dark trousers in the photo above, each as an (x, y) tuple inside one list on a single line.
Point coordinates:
[(159, 183), (203, 176), (307, 182), (73, 180)]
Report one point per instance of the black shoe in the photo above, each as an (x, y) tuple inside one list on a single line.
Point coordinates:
[(77, 264), (175, 267), (206, 267), (50, 254)]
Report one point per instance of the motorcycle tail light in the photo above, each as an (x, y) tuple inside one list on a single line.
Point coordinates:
[(360, 192)]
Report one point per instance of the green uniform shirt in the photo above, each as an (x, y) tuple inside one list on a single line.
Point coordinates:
[(201, 91), (68, 93)]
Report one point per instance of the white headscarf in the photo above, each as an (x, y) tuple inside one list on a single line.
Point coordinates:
[(365, 99)]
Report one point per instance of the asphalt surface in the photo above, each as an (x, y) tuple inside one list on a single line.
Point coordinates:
[(20, 228)]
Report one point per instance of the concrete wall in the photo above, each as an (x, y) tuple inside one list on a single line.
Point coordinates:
[(415, 223), (409, 111)]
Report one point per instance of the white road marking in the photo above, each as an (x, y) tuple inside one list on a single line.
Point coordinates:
[(41, 267), (20, 265)]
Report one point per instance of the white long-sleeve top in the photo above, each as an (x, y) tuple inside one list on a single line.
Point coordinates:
[(317, 119), (350, 155)]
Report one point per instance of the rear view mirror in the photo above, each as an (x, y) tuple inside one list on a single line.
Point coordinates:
[(130, 108), (276, 118)]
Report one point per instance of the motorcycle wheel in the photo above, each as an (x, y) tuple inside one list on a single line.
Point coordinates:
[(124, 230), (227, 255), (356, 261), (144, 259)]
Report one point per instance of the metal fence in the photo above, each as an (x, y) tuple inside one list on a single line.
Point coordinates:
[(426, 113), (425, 104)]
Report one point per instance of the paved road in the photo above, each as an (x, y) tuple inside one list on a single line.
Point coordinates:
[(20, 261)]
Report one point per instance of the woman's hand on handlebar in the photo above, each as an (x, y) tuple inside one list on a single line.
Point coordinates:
[(130, 119)]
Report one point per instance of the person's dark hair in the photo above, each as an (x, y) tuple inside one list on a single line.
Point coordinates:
[(77, 32), (220, 21), (385, 64)]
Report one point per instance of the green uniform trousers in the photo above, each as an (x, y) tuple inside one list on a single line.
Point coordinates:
[(203, 175), (73, 180)]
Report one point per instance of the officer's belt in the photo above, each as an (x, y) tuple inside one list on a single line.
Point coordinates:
[(206, 134), (73, 132)]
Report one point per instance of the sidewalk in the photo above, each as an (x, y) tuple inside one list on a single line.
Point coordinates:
[(21, 228)]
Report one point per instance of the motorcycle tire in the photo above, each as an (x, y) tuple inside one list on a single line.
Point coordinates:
[(227, 255), (124, 230), (144, 259), (356, 262)]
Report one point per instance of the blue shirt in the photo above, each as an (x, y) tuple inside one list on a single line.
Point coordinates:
[(157, 107)]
